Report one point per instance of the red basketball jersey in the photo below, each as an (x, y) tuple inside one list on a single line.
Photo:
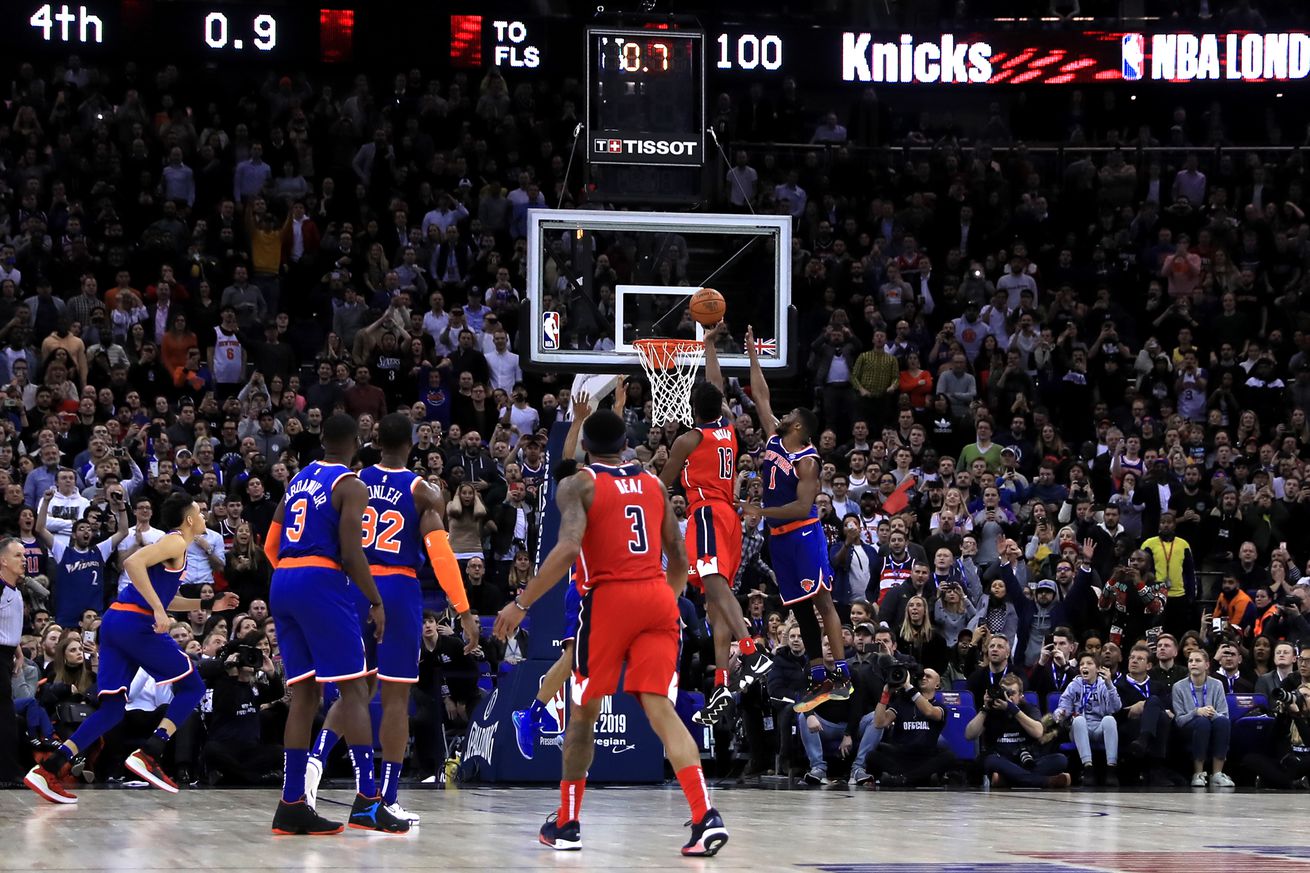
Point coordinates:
[(712, 466), (622, 542)]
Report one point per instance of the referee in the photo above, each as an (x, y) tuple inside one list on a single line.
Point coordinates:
[(12, 564)]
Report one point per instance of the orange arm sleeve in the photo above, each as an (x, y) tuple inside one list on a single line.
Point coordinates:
[(447, 569), (272, 541)]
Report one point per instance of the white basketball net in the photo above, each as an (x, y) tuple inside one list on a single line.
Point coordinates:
[(671, 366)]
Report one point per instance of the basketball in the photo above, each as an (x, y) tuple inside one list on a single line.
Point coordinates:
[(707, 307)]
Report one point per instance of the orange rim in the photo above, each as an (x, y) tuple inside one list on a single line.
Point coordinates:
[(662, 354)]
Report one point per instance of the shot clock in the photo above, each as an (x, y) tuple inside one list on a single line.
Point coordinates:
[(646, 96)]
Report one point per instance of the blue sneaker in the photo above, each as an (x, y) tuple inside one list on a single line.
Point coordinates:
[(707, 835), (526, 729), (565, 837)]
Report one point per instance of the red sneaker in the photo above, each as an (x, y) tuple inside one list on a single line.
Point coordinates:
[(148, 769), (49, 785)]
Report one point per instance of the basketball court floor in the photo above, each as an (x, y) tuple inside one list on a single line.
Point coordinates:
[(839, 831)]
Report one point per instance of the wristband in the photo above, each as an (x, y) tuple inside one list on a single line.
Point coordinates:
[(207, 603), (518, 604), (914, 698), (1012, 708), (886, 697)]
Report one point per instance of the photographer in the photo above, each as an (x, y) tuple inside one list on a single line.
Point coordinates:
[(870, 680), (1010, 729), (1289, 766), (241, 678), (911, 719)]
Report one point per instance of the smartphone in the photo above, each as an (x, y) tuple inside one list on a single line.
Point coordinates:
[(1048, 640), (89, 637), (1216, 624)]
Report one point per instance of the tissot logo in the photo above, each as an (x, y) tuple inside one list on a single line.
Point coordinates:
[(674, 148)]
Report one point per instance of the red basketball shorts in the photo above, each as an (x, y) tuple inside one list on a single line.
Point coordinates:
[(632, 624), (713, 542)]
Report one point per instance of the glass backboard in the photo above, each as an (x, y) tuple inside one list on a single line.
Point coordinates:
[(597, 281)]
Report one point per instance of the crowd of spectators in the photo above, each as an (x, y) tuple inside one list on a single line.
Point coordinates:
[(1061, 412)]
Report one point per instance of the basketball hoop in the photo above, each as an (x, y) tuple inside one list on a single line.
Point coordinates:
[(671, 365)]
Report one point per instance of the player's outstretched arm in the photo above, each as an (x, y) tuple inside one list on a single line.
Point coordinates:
[(581, 409), (353, 497), (675, 550), (807, 491), (759, 387), (713, 374), (573, 499), (431, 506)]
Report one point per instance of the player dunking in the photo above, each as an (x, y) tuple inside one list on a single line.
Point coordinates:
[(315, 533), (614, 520), (705, 460), (134, 636), (799, 552), (403, 516)]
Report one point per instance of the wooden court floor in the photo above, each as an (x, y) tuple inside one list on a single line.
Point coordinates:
[(839, 831)]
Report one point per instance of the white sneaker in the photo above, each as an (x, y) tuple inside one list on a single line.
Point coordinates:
[(313, 776), (1222, 780), (403, 814), (1198, 781)]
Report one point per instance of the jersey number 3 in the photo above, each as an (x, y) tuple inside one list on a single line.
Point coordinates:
[(296, 513), (384, 540), (638, 544)]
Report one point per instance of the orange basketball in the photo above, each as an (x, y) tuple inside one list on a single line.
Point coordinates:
[(707, 307)]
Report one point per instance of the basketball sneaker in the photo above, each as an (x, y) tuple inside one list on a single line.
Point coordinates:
[(719, 704), (147, 769), (565, 837), (403, 814), (753, 669), (817, 694), (841, 687), (300, 820), (313, 776), (707, 835), (369, 814), (526, 729), (47, 780)]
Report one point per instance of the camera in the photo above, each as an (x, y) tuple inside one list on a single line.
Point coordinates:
[(1026, 758), (1286, 694), (246, 656), (897, 674), (993, 693)]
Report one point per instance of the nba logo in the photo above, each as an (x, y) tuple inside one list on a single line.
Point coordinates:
[(1133, 52), (550, 331)]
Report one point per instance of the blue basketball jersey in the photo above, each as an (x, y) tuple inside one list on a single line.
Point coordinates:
[(391, 526), (80, 584), (162, 579), (310, 522), (778, 470)]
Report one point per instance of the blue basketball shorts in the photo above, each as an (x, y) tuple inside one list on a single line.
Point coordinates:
[(314, 611), (800, 561), (128, 643), (395, 659)]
